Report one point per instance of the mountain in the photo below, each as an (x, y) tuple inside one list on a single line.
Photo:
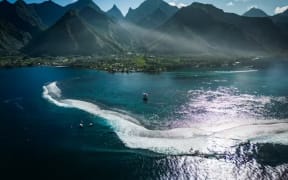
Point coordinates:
[(151, 13), (80, 4), (18, 24), (73, 35), (21, 15), (219, 31), (108, 27), (85, 29), (281, 20), (97, 18), (115, 13), (255, 12), (49, 12), (154, 26), (11, 39)]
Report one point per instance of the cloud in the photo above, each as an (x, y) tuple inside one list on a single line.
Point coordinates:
[(179, 5), (230, 3), (279, 10)]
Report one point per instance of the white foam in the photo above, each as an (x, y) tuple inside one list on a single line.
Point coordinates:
[(202, 137), (61, 66), (52, 90), (239, 71)]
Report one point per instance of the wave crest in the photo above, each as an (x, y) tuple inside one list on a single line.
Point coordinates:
[(201, 138)]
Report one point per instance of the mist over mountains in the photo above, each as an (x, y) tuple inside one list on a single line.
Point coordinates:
[(155, 27)]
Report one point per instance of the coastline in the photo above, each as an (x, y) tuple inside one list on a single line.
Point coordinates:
[(140, 63)]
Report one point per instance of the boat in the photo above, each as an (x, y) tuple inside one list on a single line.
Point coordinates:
[(145, 97), (81, 124)]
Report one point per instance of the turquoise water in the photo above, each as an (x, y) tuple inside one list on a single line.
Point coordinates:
[(206, 124)]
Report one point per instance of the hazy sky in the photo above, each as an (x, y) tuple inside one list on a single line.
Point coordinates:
[(236, 6)]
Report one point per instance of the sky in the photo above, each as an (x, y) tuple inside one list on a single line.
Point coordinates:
[(236, 6)]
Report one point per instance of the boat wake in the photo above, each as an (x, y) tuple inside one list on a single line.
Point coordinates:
[(203, 137), (234, 72)]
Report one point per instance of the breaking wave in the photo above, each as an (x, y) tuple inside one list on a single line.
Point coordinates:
[(202, 137)]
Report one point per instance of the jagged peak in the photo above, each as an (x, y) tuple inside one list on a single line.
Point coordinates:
[(115, 12), (255, 12), (114, 8), (151, 5), (47, 2), (84, 3), (130, 10)]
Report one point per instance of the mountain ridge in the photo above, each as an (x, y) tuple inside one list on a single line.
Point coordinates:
[(85, 29), (115, 13), (44, 10), (225, 31), (19, 23), (255, 12), (81, 32), (140, 15)]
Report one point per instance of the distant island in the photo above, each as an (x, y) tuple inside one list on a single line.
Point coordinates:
[(153, 37)]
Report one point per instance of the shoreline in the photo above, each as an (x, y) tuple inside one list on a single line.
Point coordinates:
[(141, 63)]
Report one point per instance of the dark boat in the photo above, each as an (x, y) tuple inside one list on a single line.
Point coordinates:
[(145, 97)]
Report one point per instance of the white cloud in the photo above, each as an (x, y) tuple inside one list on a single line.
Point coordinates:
[(230, 3), (279, 10), (172, 3), (179, 5)]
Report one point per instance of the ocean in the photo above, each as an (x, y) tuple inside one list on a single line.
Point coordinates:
[(197, 124)]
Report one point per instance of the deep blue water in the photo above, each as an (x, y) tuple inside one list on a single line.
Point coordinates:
[(197, 124)]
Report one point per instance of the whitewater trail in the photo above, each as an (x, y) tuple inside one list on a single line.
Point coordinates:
[(201, 138), (239, 71)]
